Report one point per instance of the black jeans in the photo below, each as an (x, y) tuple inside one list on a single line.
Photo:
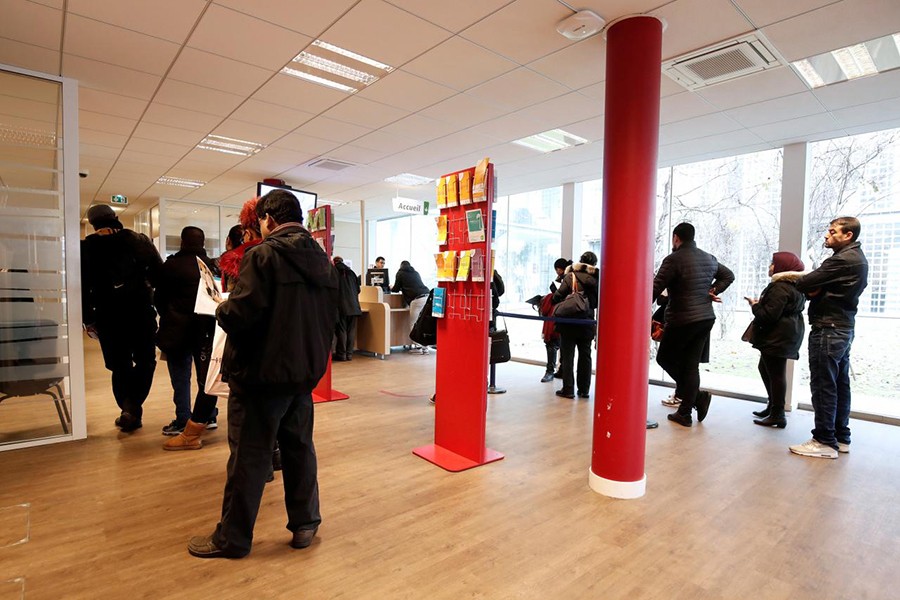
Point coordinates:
[(255, 420), (773, 370), (570, 338), (829, 382), (679, 355), (345, 337), (129, 351)]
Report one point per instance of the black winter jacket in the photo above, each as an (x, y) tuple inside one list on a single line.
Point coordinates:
[(689, 274), (280, 317), (410, 283), (118, 273), (840, 279), (180, 329), (778, 319), (349, 291), (588, 283)]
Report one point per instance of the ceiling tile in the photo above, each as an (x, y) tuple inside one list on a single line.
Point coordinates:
[(866, 114), (330, 129), (197, 98), (834, 26), (109, 78), (306, 144), (291, 92), (688, 31), (275, 160), (105, 122), (697, 127), (522, 31), (589, 129), (241, 130), (98, 41), (94, 151), (126, 167), (774, 83), (150, 159), (194, 169), (686, 105), (406, 91), (238, 36), (28, 56), (101, 138), (576, 66), (779, 109), (442, 64), (417, 127), (859, 91), (310, 17), (31, 23), (507, 153), (173, 116), (162, 133), (561, 111), (166, 19), (386, 143), (157, 147), (110, 104), (456, 15), (384, 33), (766, 12), (881, 126), (796, 127), (271, 115), (734, 142), (366, 113), (510, 127), (356, 154), (218, 73), (463, 111), (517, 89)]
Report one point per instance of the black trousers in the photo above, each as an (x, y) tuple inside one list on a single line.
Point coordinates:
[(129, 351), (679, 355), (344, 336), (570, 338), (773, 370), (255, 420)]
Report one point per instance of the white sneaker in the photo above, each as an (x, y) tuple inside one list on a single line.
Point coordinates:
[(672, 401), (843, 448), (814, 449)]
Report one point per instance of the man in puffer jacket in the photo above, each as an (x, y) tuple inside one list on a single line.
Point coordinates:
[(694, 279)]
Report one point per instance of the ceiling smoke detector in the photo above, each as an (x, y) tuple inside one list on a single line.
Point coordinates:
[(582, 24)]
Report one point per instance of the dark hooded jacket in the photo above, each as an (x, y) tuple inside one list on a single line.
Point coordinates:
[(842, 277), (180, 329), (280, 317), (410, 283), (588, 283), (778, 318), (349, 286), (689, 274)]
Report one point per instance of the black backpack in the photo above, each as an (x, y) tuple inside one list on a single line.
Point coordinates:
[(424, 330)]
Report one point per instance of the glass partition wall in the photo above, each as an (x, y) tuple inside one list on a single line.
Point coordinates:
[(41, 354)]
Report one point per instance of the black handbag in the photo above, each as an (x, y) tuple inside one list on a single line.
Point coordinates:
[(424, 330), (747, 336), (575, 305), (499, 351)]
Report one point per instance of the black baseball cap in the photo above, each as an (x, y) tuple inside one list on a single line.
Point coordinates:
[(100, 213)]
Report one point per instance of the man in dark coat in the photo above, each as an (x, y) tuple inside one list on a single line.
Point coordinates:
[(280, 325), (348, 311), (119, 269), (694, 279), (184, 336), (415, 294), (834, 290), (582, 276)]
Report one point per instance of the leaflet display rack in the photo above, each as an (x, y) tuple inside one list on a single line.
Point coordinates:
[(319, 225), (462, 337)]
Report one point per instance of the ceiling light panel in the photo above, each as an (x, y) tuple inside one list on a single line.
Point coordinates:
[(336, 67), (218, 143), (409, 179), (851, 62), (179, 182), (551, 141)]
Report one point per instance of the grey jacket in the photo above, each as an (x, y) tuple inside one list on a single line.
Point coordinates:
[(690, 274)]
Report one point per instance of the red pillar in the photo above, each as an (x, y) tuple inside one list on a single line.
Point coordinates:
[(633, 59)]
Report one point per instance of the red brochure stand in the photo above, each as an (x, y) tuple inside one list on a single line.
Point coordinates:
[(319, 225), (462, 357)]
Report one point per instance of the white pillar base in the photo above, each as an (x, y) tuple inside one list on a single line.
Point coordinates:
[(626, 490)]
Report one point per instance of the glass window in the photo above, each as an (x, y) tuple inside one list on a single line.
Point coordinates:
[(411, 238)]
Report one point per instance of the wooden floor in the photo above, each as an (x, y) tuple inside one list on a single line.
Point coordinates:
[(728, 512)]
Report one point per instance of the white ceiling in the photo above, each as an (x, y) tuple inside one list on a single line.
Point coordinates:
[(471, 76)]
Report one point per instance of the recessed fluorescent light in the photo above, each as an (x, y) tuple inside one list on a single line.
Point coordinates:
[(550, 141), (854, 61), (177, 181), (851, 62), (27, 136), (409, 179), (228, 145), (336, 67), (812, 77)]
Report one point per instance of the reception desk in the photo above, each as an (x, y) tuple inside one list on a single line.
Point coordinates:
[(384, 323)]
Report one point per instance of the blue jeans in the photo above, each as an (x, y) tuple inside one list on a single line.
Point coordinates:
[(180, 374), (829, 383)]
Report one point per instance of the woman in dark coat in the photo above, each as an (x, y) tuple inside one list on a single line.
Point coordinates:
[(574, 335), (778, 333)]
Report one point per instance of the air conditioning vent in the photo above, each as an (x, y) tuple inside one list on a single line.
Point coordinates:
[(330, 164), (722, 62)]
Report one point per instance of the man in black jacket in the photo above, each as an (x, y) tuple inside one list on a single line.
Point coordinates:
[(415, 294), (348, 311), (280, 322), (119, 269), (834, 289), (694, 279)]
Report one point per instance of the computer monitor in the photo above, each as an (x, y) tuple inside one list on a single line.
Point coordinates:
[(379, 278), (307, 200)]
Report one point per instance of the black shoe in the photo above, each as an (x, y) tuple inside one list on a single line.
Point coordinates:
[(771, 421), (303, 538), (702, 404), (173, 428), (336, 358), (213, 423), (652, 424), (127, 423), (565, 394), (680, 419), (584, 394), (276, 460), (557, 375), (762, 414), (548, 376)]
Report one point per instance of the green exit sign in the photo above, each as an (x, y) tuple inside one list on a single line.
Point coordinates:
[(119, 199)]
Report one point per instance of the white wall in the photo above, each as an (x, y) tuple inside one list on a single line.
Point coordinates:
[(347, 244)]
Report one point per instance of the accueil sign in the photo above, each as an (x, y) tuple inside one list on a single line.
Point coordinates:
[(410, 206)]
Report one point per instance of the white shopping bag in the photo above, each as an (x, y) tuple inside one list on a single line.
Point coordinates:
[(214, 384), (208, 295)]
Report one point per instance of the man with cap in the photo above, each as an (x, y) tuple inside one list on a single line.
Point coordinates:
[(119, 269)]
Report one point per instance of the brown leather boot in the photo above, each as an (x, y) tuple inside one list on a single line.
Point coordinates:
[(189, 439)]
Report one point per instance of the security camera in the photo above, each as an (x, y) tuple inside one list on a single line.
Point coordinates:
[(84, 173)]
